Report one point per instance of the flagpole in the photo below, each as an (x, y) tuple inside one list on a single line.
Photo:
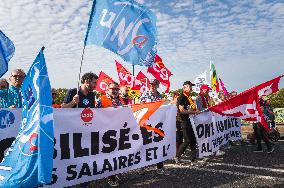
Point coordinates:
[(80, 71)]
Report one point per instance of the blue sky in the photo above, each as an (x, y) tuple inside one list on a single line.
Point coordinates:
[(244, 39)]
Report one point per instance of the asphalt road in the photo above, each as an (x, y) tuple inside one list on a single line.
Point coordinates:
[(238, 167)]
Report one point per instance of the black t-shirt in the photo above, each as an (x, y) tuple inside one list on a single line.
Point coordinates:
[(85, 101), (183, 101)]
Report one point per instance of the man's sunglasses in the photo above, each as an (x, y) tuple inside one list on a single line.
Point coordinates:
[(18, 76), (114, 88), (3, 87)]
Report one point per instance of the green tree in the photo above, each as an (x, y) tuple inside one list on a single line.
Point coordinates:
[(277, 99), (61, 93)]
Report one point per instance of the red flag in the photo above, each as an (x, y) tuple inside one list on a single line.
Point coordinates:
[(142, 82), (102, 82), (268, 87), (246, 105), (125, 77), (160, 72)]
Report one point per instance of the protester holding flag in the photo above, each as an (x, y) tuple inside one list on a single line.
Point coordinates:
[(85, 97), (186, 107), (261, 133), (269, 112), (12, 97)]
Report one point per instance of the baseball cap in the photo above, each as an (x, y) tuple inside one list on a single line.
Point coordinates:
[(155, 81), (188, 83), (204, 86)]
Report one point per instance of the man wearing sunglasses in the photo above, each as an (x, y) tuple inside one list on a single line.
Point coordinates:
[(54, 95), (110, 99), (11, 97)]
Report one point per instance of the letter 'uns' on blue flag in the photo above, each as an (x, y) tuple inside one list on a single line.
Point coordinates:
[(29, 161), (125, 27), (7, 50)]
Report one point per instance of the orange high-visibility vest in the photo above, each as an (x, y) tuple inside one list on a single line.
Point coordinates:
[(106, 102)]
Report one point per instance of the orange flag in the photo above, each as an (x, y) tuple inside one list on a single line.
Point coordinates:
[(142, 113)]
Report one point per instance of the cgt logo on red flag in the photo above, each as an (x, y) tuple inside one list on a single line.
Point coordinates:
[(142, 82), (102, 82), (246, 105), (160, 72), (125, 77)]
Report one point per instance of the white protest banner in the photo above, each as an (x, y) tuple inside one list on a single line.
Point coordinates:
[(10, 120), (94, 143), (213, 130)]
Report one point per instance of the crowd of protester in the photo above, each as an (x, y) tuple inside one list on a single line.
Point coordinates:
[(187, 105)]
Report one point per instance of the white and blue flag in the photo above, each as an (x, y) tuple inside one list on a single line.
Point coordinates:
[(7, 50), (29, 161), (125, 27)]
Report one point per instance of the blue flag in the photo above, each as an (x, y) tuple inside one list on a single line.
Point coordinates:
[(7, 50), (29, 161), (124, 27)]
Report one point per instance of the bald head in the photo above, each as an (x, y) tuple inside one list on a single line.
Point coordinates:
[(124, 90)]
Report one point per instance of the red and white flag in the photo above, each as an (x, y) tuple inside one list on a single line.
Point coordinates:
[(142, 82), (125, 77), (246, 105), (102, 82), (268, 87), (160, 72)]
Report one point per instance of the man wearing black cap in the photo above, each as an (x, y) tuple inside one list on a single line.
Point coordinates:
[(186, 106)]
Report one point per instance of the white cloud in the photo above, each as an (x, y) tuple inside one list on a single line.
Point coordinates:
[(237, 35)]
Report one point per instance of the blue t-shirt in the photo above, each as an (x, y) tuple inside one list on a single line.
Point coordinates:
[(11, 96)]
